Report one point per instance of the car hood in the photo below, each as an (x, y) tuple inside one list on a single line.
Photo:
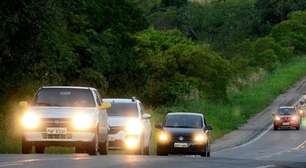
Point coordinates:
[(62, 112), (119, 121), (181, 131)]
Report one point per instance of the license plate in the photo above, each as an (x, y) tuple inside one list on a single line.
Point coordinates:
[(180, 145), (56, 130), (286, 123)]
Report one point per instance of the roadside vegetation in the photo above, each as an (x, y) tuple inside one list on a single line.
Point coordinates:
[(228, 59)]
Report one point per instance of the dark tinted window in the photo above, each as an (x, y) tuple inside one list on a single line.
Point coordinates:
[(123, 109), (63, 97), (286, 111), (184, 121)]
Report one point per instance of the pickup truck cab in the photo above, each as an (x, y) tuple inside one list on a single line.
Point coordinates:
[(130, 126), (65, 116)]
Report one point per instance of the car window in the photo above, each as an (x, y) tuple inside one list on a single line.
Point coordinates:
[(141, 108), (98, 97), (184, 121), (286, 111), (63, 97), (123, 109)]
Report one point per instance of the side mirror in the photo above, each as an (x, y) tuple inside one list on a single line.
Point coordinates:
[(209, 128), (23, 104), (301, 103), (146, 116), (105, 105), (158, 126)]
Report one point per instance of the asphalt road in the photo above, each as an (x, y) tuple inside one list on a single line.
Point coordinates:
[(284, 149)]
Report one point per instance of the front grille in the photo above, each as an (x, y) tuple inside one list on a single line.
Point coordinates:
[(115, 130), (185, 138), (56, 136), (54, 122)]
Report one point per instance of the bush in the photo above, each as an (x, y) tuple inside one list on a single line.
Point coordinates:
[(292, 33), (174, 67)]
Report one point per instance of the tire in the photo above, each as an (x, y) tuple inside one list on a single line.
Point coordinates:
[(147, 149), (92, 147), (26, 147), (298, 127), (103, 148), (275, 128), (40, 149), (161, 151), (80, 149), (206, 152)]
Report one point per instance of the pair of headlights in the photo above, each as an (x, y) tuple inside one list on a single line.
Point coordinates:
[(198, 138), (80, 121)]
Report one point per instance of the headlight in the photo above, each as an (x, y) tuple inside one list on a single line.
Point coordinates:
[(30, 120), (294, 117), (301, 112), (82, 122), (200, 138), (277, 118), (134, 127), (163, 137)]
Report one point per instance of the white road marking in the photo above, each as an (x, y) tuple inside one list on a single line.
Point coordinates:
[(23, 162), (250, 142), (266, 166)]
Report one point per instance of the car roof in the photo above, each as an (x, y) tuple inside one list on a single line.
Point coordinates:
[(67, 87), (120, 100), (283, 107), (186, 113)]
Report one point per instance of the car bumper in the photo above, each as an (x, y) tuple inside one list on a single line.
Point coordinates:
[(119, 141), (191, 148), (57, 138), (287, 123)]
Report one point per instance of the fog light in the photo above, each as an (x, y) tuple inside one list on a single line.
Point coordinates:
[(131, 142)]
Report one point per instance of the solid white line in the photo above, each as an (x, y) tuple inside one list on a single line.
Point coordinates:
[(250, 142), (266, 166), (22, 162)]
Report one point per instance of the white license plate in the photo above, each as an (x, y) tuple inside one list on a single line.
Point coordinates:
[(286, 123), (56, 130), (180, 145)]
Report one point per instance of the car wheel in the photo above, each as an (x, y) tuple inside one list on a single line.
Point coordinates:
[(80, 149), (298, 127), (160, 151), (39, 149), (103, 148), (26, 147), (275, 128), (92, 147)]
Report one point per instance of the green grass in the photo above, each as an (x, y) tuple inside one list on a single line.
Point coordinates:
[(224, 117)]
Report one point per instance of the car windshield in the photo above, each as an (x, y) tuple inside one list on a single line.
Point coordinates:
[(285, 111), (64, 97), (123, 109), (184, 121)]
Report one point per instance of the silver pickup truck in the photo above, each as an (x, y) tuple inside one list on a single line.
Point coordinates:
[(65, 116)]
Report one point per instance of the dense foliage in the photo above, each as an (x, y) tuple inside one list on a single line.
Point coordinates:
[(191, 49)]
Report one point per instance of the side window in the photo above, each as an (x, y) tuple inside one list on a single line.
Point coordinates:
[(97, 97), (204, 121)]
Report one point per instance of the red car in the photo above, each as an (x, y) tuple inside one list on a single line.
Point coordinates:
[(286, 117)]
